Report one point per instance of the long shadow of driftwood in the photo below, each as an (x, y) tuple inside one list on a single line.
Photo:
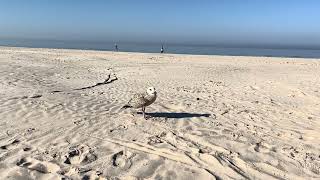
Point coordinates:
[(106, 81), (176, 115)]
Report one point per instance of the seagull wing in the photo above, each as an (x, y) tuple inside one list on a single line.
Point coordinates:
[(137, 100)]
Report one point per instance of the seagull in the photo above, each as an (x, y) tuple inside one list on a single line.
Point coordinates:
[(142, 100)]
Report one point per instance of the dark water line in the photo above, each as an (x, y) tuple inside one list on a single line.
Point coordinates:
[(168, 48)]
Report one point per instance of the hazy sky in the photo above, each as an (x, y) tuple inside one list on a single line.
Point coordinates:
[(294, 22)]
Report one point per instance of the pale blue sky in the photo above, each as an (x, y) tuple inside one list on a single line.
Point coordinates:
[(289, 22)]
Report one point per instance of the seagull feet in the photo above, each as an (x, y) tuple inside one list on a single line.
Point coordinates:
[(146, 117)]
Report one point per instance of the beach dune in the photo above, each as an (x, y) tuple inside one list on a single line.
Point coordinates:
[(215, 117)]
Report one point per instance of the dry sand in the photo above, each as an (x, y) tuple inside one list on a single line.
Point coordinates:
[(216, 117)]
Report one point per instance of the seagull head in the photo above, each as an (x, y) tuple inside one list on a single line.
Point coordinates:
[(151, 91)]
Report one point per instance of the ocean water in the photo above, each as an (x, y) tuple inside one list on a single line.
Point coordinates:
[(169, 48)]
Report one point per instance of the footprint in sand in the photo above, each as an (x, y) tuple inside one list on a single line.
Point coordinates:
[(39, 166), (81, 154), (122, 159), (12, 142), (262, 147), (157, 139)]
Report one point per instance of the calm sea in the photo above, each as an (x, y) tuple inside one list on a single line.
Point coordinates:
[(169, 48)]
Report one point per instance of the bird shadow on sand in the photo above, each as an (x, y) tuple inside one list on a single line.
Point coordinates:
[(175, 115)]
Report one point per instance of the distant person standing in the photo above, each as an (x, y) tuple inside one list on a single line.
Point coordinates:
[(116, 47), (162, 49)]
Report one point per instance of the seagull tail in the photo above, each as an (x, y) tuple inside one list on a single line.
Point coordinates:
[(126, 106)]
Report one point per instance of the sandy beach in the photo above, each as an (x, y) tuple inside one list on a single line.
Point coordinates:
[(216, 117)]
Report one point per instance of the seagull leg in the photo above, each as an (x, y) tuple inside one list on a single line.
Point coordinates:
[(144, 112)]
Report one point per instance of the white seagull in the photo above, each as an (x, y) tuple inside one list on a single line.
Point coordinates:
[(142, 100)]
